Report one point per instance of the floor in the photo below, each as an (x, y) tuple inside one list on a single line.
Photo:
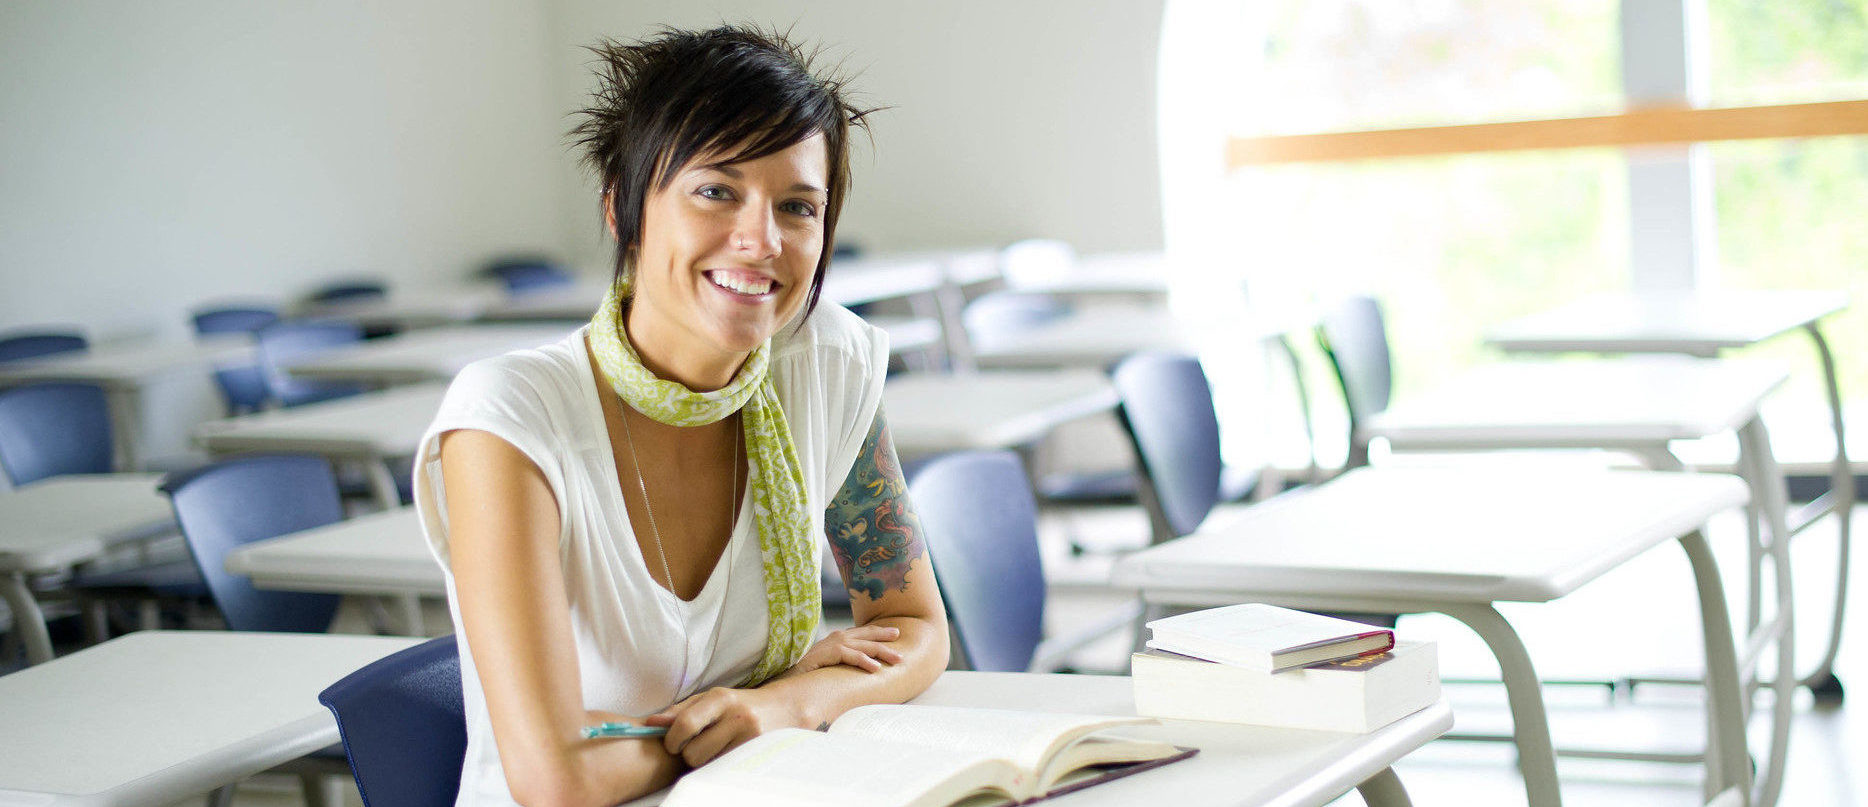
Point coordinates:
[(1587, 636)]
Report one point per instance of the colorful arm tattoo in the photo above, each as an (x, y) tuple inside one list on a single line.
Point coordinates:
[(872, 527)]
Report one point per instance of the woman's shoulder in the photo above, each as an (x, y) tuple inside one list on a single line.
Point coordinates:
[(535, 380)]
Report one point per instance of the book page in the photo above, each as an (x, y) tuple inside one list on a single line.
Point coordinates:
[(799, 767), (1026, 739)]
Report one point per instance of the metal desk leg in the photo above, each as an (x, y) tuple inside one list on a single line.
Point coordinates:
[(1530, 725), (383, 483), (1384, 790), (28, 620), (122, 405), (1841, 500), (1754, 446), (1728, 764)]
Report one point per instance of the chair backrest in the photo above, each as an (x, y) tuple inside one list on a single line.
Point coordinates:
[(285, 342), (404, 726), (54, 429), (33, 345), (233, 319), (347, 291), (1000, 316), (1036, 261), (982, 534), (227, 504), (1355, 337), (522, 274), (1167, 411)]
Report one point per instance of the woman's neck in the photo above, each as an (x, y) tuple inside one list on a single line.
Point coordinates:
[(669, 352)]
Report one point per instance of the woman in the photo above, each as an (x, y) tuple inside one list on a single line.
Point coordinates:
[(628, 517)]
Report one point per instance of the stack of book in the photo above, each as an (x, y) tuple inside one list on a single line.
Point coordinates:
[(1273, 666)]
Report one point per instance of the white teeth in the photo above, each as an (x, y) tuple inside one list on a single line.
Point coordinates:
[(726, 281)]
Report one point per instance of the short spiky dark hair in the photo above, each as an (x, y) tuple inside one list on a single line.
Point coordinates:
[(663, 100)]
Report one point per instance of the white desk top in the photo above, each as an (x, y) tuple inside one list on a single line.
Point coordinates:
[(930, 413), (414, 308), (866, 280), (1467, 534), (129, 364), (58, 522), (381, 553), (372, 425), (435, 354), (1122, 273), (1093, 336), (155, 717), (1238, 765), (1697, 323), (1638, 401)]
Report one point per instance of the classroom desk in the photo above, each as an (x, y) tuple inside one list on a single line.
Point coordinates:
[(932, 413), (1706, 324), (368, 429), (1238, 765), (1138, 276), (434, 354), (125, 371), (379, 554), (1094, 337), (1460, 540), (156, 717), (58, 523), (412, 308)]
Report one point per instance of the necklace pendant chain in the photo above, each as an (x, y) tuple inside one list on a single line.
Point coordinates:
[(655, 532)]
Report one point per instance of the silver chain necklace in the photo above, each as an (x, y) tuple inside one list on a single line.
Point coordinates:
[(654, 531)]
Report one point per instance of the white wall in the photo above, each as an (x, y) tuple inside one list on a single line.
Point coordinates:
[(1009, 119), (155, 155)]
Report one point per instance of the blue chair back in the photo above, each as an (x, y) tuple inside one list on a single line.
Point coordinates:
[(281, 344), (54, 429), (1167, 411), (404, 725), (526, 274), (982, 533), (33, 345), (228, 504), (233, 319), (349, 291), (1355, 338)]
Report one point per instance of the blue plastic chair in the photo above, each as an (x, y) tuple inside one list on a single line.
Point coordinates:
[(227, 504), (1354, 336), (53, 429), (34, 345), (522, 274), (281, 344), (1167, 411), (348, 291), (233, 319), (404, 725), (982, 533), (243, 386)]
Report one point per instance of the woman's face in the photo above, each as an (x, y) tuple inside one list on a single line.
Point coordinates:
[(728, 251)]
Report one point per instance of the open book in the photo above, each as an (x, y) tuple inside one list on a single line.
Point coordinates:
[(923, 756)]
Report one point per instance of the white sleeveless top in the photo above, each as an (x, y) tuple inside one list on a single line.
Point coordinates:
[(639, 647)]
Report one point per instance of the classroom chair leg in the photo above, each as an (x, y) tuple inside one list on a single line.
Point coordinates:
[(1384, 790)]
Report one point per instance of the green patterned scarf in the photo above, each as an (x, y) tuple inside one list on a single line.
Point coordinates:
[(793, 597)]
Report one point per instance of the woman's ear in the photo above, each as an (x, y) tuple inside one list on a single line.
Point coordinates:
[(609, 213)]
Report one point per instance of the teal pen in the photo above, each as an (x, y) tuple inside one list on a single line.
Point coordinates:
[(602, 730)]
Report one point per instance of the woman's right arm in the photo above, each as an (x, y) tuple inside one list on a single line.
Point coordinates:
[(503, 540)]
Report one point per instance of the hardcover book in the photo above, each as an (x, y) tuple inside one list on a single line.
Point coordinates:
[(1265, 637), (923, 756), (1357, 695)]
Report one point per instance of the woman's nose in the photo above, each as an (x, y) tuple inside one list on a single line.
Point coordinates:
[(755, 232)]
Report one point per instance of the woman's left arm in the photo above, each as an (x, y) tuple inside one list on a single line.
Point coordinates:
[(883, 558)]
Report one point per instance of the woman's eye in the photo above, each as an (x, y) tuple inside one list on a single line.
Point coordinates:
[(714, 192), (797, 208)]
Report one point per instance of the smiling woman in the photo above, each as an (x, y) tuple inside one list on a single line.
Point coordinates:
[(628, 518)]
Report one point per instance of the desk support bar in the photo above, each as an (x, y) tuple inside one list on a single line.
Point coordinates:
[(1822, 679)]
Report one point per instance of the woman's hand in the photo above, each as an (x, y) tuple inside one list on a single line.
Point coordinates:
[(708, 724), (866, 648)]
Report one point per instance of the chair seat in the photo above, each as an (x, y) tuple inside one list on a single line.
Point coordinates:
[(178, 578)]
